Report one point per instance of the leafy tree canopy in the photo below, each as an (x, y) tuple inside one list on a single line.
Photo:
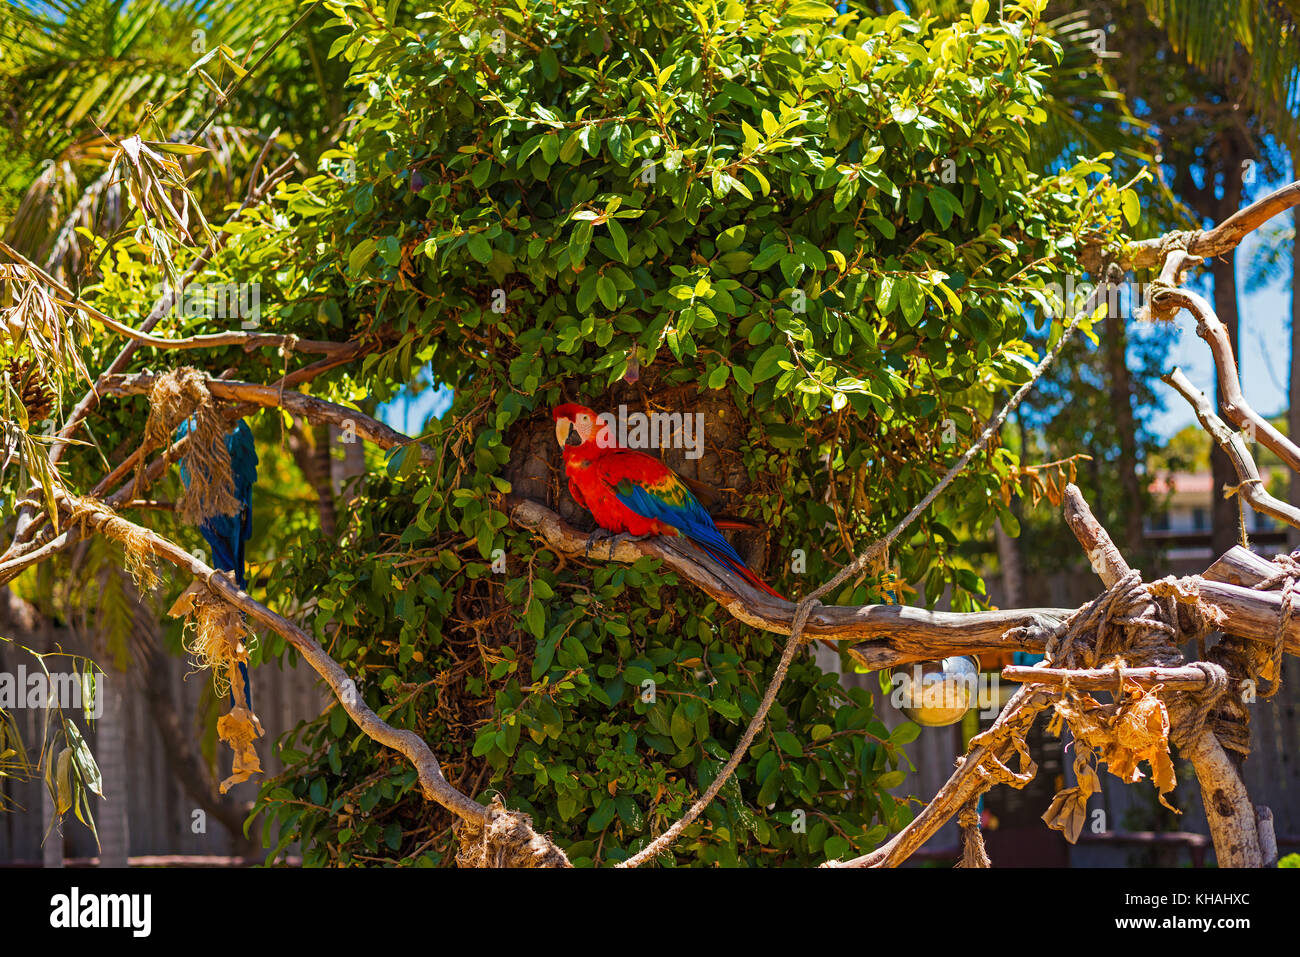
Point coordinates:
[(820, 231)]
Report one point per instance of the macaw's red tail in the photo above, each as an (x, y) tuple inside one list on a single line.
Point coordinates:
[(741, 569), (743, 524)]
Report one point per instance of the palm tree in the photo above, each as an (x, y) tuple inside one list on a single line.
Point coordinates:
[(74, 74)]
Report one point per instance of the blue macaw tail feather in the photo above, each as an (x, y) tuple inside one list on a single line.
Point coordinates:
[(226, 535), (248, 688)]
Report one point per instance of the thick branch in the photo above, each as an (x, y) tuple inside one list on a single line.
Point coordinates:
[(891, 634), (1149, 253), (1108, 679)]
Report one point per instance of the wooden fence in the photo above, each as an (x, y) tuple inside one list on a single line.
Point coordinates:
[(162, 819)]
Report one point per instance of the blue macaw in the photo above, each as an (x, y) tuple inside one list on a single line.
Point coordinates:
[(226, 534)]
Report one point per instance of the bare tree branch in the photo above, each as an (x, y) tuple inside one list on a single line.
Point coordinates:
[(1150, 253), (1231, 399), (1251, 486)]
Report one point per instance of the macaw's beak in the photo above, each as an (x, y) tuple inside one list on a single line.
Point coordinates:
[(564, 432)]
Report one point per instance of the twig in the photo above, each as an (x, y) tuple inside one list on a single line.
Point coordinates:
[(1231, 399)]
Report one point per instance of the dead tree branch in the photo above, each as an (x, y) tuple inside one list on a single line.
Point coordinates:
[(1150, 253), (1231, 399), (1251, 486)]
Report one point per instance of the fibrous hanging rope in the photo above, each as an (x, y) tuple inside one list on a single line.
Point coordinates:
[(175, 397), (1130, 625), (1288, 575)]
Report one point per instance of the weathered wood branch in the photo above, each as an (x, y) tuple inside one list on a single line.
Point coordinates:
[(1232, 401), (1108, 679), (1149, 253), (966, 783), (1241, 566), (1228, 807), (889, 634), (1251, 486)]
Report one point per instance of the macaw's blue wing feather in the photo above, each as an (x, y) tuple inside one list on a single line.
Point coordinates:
[(248, 688), (668, 500)]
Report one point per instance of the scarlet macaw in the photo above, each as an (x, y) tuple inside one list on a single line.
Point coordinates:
[(631, 493)]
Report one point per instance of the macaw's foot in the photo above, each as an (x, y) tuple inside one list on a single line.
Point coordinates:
[(599, 535), (612, 541)]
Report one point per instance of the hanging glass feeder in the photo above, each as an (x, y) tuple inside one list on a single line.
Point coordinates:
[(936, 693)]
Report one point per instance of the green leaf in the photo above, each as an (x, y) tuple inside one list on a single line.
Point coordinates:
[(549, 63), (620, 144), (788, 743), (767, 257), (905, 733), (768, 363), (810, 10), (1132, 206), (682, 728), (480, 248), (608, 294)]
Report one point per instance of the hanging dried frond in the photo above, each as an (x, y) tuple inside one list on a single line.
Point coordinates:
[(154, 178), (40, 330)]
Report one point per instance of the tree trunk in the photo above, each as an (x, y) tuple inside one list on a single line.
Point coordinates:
[(1293, 413), (1121, 397), (1226, 513)]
